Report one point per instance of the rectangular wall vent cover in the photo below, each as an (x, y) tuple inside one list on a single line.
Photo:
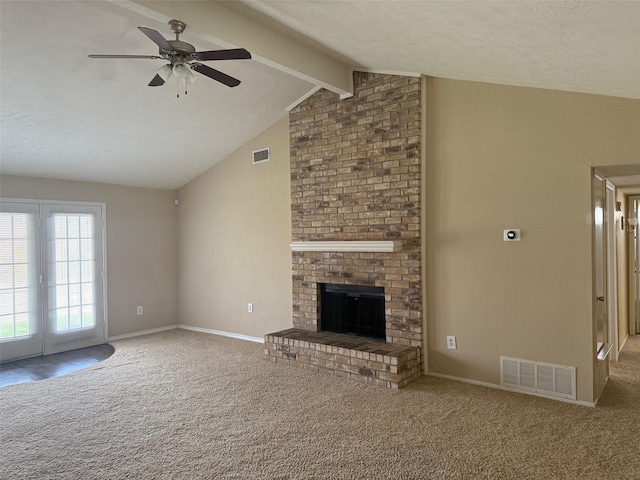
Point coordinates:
[(262, 155), (542, 378)]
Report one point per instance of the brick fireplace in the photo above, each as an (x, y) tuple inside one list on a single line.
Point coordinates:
[(355, 177)]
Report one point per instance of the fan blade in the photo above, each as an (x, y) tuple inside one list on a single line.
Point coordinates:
[(216, 75), (156, 81), (232, 54), (150, 57), (157, 38)]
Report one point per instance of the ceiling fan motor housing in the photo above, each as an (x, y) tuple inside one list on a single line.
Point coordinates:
[(182, 48), (177, 26)]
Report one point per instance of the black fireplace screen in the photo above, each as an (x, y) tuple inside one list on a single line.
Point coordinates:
[(353, 309)]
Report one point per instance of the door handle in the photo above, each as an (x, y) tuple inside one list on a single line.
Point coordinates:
[(600, 299)]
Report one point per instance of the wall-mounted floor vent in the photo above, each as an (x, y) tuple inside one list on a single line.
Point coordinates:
[(262, 155), (541, 378)]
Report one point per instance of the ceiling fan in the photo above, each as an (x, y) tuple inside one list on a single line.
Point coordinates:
[(183, 58)]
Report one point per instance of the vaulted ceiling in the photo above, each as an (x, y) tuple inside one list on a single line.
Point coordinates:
[(66, 116)]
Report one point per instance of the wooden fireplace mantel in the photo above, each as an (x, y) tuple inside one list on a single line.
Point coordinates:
[(348, 246)]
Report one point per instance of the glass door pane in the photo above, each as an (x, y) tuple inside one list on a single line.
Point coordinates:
[(73, 271)]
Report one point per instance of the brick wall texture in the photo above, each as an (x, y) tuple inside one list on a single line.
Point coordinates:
[(355, 175)]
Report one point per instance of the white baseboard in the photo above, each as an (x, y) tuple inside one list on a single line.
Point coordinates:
[(142, 332), (507, 389), (188, 327), (222, 333)]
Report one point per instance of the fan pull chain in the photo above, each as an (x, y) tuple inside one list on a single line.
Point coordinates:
[(178, 87)]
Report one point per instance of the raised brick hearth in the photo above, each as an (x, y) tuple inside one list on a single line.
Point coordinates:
[(355, 176), (372, 361)]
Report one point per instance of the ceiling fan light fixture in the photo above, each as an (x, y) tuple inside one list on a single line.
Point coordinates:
[(180, 70), (190, 78), (165, 72)]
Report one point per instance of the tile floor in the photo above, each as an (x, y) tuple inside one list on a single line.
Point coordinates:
[(49, 366)]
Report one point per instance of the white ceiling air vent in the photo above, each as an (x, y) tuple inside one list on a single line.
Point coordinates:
[(262, 155), (542, 378)]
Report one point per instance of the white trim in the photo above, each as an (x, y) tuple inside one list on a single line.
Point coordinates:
[(612, 267), (507, 389), (349, 93), (105, 290), (239, 336), (348, 246), (51, 202), (389, 72), (423, 218), (303, 98), (142, 332)]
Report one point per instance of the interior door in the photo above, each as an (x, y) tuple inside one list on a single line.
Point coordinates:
[(20, 312), (601, 325), (73, 274)]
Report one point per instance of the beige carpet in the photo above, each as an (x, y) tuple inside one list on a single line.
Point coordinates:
[(185, 405)]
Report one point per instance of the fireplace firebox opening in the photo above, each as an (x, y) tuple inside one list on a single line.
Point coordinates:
[(352, 309)]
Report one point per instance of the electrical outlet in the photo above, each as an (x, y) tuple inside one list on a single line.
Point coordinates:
[(139, 310), (451, 342), (249, 307)]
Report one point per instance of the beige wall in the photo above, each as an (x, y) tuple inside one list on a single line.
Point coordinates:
[(496, 157), (235, 224), (142, 247), (506, 157)]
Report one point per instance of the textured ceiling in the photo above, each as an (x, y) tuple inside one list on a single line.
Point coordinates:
[(579, 46), (66, 116)]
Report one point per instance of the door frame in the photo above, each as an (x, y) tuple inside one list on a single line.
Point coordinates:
[(631, 259), (612, 267)]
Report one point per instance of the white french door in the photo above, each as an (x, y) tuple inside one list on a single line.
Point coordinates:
[(73, 260), (20, 306), (51, 278)]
